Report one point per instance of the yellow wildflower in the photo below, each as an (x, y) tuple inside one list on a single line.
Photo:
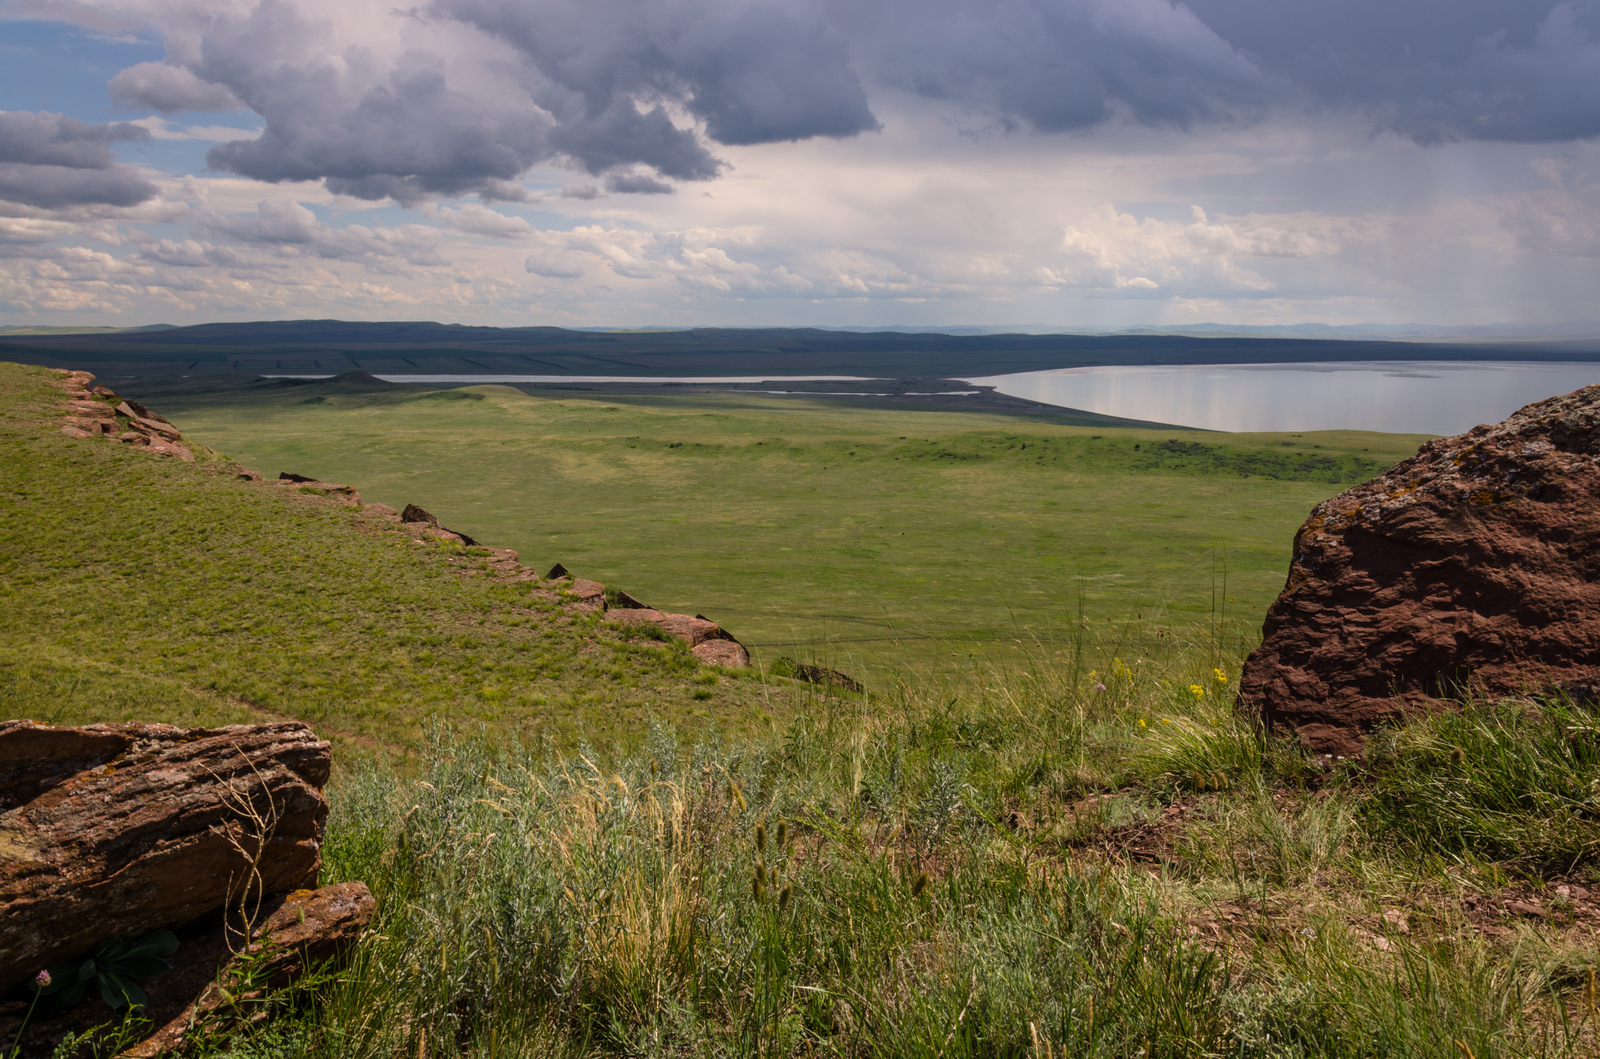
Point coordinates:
[(1142, 724), (1222, 678), (1197, 690)]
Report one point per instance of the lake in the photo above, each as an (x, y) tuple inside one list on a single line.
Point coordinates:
[(1405, 397)]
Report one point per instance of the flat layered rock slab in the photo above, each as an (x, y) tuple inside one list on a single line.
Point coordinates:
[(128, 828)]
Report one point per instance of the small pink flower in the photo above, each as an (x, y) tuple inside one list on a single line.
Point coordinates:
[(1099, 687), (43, 978)]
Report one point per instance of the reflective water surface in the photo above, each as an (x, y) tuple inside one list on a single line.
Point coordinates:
[(1407, 397)]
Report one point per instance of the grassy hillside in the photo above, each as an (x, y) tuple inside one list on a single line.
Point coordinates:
[(1082, 859), (133, 586), (878, 538)]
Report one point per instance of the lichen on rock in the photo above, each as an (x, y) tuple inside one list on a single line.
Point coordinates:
[(1472, 566)]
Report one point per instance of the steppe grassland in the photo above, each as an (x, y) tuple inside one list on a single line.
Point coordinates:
[(880, 540), (134, 587), (1053, 862)]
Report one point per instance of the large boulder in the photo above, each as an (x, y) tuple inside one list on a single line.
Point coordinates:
[(1474, 565), (124, 828)]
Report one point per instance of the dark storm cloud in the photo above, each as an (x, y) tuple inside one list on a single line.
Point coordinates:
[(50, 161), (617, 87), (597, 86), (1432, 70), (400, 132), (756, 72), (1507, 70), (1058, 65)]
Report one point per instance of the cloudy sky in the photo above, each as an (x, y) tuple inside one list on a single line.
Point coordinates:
[(1076, 163)]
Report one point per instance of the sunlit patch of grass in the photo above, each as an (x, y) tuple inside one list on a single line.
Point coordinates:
[(946, 536), (750, 900), (1509, 781), (134, 587)]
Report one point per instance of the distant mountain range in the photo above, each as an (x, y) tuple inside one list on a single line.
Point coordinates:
[(325, 347)]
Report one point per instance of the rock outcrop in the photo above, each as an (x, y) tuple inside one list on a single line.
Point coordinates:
[(333, 490), (707, 640), (121, 828), (215, 975), (416, 516), (100, 412), (1474, 565), (295, 932)]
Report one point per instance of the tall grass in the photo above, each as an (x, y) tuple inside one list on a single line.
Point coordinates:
[(859, 885), (935, 872), (1509, 781), (635, 910)]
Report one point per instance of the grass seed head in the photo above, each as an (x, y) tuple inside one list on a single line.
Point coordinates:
[(783, 833), (761, 838), (784, 895), (920, 884)]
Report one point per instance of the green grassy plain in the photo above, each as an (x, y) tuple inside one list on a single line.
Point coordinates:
[(138, 587), (876, 538), (1056, 860)]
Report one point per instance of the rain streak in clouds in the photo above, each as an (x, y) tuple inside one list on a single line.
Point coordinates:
[(1099, 162)]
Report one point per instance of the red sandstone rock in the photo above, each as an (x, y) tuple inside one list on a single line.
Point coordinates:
[(591, 595), (307, 927), (707, 640), (135, 410), (118, 828), (729, 653), (415, 514), (294, 932), (155, 428), (1474, 564), (163, 447)]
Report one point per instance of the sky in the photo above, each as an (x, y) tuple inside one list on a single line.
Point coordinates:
[(1075, 164)]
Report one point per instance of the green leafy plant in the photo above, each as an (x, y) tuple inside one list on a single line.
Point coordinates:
[(115, 963)]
